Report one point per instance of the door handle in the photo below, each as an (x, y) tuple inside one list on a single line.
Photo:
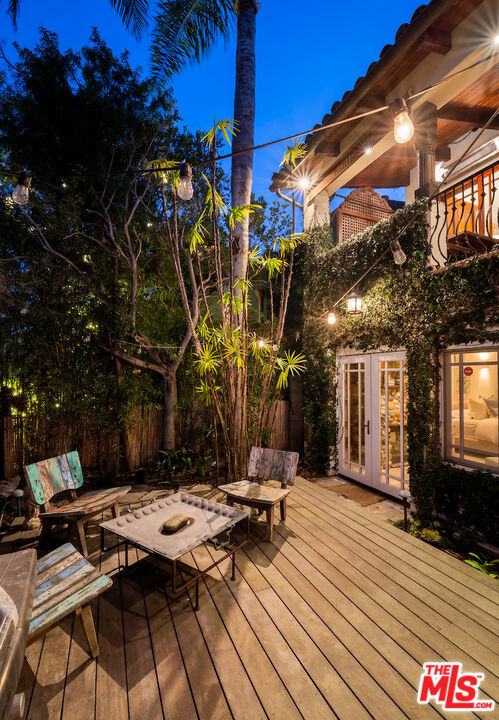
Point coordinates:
[(368, 426)]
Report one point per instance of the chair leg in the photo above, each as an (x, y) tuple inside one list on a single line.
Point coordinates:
[(88, 625), (283, 510), (80, 529), (115, 509), (270, 521)]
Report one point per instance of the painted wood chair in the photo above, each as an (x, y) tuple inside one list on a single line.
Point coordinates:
[(265, 464), (63, 474), (66, 583)]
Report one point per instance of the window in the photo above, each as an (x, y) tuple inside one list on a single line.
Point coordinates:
[(471, 419)]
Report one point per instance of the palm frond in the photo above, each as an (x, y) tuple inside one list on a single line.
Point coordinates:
[(134, 14), (226, 127), (238, 214), (294, 153), (185, 31)]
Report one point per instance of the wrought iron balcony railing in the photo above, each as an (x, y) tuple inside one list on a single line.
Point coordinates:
[(464, 218)]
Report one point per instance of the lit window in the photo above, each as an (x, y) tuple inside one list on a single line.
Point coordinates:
[(471, 418)]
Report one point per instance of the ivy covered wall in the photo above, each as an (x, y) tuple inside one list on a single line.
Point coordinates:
[(403, 306)]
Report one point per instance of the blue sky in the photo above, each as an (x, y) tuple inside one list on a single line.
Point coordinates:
[(308, 54)]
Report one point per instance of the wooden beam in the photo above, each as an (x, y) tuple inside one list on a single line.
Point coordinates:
[(331, 149), (435, 40), (442, 154), (466, 115)]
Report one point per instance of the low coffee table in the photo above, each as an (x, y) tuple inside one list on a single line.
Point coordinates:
[(142, 529)]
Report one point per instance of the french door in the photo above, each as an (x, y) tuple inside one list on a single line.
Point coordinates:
[(372, 398)]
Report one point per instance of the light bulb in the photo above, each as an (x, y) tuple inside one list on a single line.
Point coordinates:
[(331, 318), (483, 356), (261, 343), (304, 183), (368, 150), (185, 190), (20, 194), (403, 128), (496, 40), (399, 256)]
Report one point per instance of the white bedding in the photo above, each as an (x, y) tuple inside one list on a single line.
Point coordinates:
[(485, 430)]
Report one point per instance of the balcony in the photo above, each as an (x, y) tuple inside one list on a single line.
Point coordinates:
[(464, 218)]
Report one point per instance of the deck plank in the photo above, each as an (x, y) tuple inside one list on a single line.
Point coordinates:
[(143, 693), (284, 687), (331, 620), (48, 693), (424, 640), (400, 554), (449, 566)]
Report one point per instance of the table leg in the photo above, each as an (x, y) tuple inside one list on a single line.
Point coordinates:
[(196, 606), (270, 521), (230, 501), (233, 565), (283, 510)]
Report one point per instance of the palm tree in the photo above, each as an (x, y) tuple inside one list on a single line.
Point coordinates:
[(184, 31), (132, 12)]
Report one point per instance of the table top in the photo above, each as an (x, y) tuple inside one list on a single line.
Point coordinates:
[(245, 489), (142, 527)]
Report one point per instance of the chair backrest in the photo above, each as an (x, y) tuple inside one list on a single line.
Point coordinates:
[(49, 477), (268, 464)]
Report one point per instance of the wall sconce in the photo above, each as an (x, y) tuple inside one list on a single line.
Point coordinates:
[(354, 303)]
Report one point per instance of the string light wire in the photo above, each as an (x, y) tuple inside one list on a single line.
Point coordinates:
[(312, 131)]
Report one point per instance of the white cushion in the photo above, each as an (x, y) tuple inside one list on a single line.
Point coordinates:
[(478, 409)]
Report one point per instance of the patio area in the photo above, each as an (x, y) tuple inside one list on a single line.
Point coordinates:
[(334, 619)]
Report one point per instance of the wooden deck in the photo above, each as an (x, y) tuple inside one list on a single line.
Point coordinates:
[(334, 619)]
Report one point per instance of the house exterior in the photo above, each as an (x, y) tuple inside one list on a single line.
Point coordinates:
[(404, 393)]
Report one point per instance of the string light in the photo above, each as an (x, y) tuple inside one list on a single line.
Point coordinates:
[(185, 190), (20, 194), (403, 127), (399, 256), (311, 131), (331, 318)]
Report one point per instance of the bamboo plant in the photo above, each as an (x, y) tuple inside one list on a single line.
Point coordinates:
[(241, 373)]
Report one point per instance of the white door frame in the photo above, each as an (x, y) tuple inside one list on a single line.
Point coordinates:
[(370, 474), (364, 421)]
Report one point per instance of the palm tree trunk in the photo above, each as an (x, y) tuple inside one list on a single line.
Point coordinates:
[(244, 115)]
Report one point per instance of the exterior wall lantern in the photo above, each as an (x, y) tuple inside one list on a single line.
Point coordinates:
[(354, 303)]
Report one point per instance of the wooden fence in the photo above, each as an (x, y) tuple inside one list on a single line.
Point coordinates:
[(29, 438)]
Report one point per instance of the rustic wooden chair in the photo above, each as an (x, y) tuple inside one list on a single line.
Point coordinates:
[(265, 464), (63, 473), (65, 583)]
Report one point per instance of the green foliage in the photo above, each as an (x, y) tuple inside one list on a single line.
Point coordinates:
[(481, 562), (175, 460), (404, 306), (293, 153), (469, 500), (185, 31)]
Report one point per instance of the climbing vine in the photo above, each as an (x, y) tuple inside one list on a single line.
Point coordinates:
[(406, 306)]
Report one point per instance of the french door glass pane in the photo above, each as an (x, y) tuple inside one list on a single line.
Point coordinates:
[(354, 413), (392, 413)]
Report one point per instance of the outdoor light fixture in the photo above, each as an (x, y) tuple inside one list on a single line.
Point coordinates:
[(496, 40), (354, 303), (261, 343), (403, 128), (304, 183), (368, 150), (399, 256), (331, 318), (20, 194), (185, 190)]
